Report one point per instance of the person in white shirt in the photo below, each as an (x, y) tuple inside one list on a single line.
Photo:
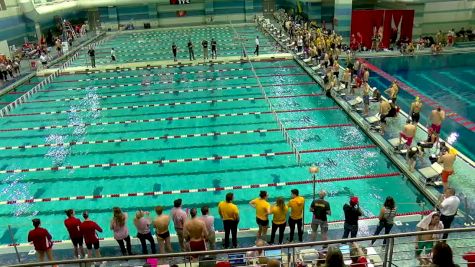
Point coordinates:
[(256, 52), (448, 208), (113, 57), (208, 220), (44, 60)]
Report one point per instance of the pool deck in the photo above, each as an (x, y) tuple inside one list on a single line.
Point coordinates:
[(424, 51), (166, 63)]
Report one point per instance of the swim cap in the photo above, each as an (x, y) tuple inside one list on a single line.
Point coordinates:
[(453, 151), (354, 200), (417, 98), (413, 149)]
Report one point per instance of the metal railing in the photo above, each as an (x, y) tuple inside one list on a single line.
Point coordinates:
[(290, 252), (282, 128)]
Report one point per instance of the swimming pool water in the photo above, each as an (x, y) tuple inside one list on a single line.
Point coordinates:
[(156, 45), (283, 80), (447, 79)]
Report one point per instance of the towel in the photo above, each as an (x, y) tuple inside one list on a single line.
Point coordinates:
[(424, 224)]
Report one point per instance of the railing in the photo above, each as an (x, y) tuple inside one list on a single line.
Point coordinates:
[(282, 128), (290, 253)]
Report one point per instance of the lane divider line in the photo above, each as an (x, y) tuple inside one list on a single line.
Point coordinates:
[(169, 73), (201, 190), (158, 92), (168, 161), (212, 101), (167, 137), (210, 116), (466, 123)]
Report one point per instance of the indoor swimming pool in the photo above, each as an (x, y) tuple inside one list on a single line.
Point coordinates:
[(446, 80), (139, 138)]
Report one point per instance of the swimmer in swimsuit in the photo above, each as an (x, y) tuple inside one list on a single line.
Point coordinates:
[(416, 107), (161, 223), (436, 118), (195, 232), (408, 133)]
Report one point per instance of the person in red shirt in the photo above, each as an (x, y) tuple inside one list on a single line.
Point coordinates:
[(470, 258), (357, 256), (88, 228), (41, 240), (72, 225)]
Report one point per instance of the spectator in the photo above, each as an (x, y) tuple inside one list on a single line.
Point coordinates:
[(179, 217), (229, 213), (386, 218), (142, 223), (208, 220), (448, 208), (352, 214), (426, 241), (442, 256), (470, 258), (121, 231), (262, 213), (279, 221), (258, 253), (296, 205), (41, 241), (357, 256), (72, 225), (334, 258), (320, 209), (88, 229)]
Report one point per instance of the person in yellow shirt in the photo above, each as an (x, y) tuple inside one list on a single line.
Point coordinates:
[(262, 212), (279, 221), (230, 215), (296, 205)]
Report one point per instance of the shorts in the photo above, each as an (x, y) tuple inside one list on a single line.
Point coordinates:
[(113, 58), (424, 244), (262, 222), (77, 241), (415, 117), (436, 128), (366, 100), (408, 139), (89, 245), (164, 235), (197, 245), (445, 176), (323, 225)]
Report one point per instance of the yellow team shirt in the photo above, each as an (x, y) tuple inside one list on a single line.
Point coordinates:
[(261, 208), (280, 215), (228, 211), (296, 207)]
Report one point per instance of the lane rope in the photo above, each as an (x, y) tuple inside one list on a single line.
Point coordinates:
[(210, 116), (172, 104), (167, 137), (168, 161), (201, 190)]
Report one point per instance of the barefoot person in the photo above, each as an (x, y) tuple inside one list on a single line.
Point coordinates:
[(88, 229), (161, 223), (384, 108), (262, 213), (437, 116), (408, 133), (195, 233), (447, 160), (41, 240), (416, 107)]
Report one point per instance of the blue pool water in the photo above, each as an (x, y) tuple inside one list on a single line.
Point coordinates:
[(447, 79)]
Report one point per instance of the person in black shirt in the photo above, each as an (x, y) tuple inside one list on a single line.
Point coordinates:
[(190, 50), (92, 55), (320, 209), (352, 214), (204, 44), (214, 54), (174, 48)]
